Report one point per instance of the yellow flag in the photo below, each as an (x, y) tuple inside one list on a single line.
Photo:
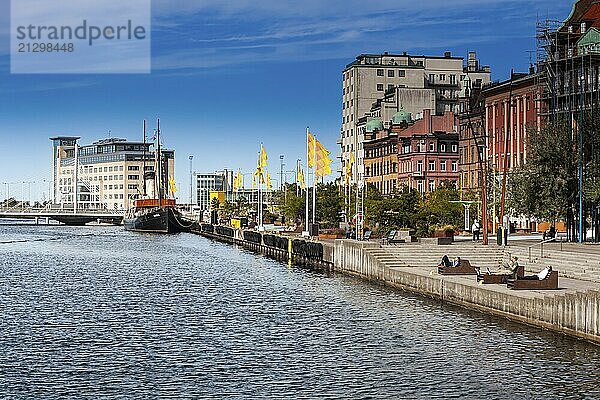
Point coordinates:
[(323, 160), (301, 179), (268, 181), (311, 150), (237, 181), (349, 168), (263, 156), (172, 185)]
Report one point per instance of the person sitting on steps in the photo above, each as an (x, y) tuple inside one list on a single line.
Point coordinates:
[(445, 261)]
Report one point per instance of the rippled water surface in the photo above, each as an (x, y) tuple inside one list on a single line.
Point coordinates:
[(90, 313)]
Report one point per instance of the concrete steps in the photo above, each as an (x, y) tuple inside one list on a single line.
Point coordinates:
[(569, 264), (416, 255)]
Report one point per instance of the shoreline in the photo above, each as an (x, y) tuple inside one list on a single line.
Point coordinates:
[(573, 310)]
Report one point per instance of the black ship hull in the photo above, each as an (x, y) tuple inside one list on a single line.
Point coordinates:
[(157, 220)]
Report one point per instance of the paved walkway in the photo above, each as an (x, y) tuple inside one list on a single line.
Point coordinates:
[(565, 285)]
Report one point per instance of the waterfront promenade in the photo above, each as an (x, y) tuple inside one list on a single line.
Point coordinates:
[(573, 309)]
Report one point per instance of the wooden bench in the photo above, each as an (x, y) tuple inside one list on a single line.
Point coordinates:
[(496, 279), (534, 283), (464, 268)]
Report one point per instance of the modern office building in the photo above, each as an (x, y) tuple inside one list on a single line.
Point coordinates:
[(206, 182), (377, 86), (108, 174)]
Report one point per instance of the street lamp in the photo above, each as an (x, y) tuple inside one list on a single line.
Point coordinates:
[(281, 158), (191, 157)]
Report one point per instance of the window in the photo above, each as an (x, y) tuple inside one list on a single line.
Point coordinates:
[(431, 186), (420, 187), (380, 87), (453, 79), (419, 166), (443, 77), (391, 73), (132, 187), (454, 148), (379, 72), (443, 165), (401, 73), (133, 177), (390, 87), (454, 166), (443, 147), (431, 147), (432, 165), (431, 78), (133, 168)]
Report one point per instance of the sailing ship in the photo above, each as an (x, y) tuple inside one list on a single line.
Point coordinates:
[(155, 213)]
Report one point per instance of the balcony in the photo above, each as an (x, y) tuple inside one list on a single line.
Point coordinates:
[(418, 174)]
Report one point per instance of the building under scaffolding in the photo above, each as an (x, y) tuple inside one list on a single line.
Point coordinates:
[(568, 58)]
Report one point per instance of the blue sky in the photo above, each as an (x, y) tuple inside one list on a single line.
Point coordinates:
[(227, 75)]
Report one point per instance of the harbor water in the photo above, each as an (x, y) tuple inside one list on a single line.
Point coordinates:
[(96, 312)]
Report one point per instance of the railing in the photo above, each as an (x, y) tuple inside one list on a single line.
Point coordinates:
[(541, 244)]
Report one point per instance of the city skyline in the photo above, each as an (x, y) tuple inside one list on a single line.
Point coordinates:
[(222, 84)]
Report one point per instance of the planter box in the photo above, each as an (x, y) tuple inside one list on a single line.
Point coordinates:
[(443, 234), (441, 241), (330, 236), (408, 235)]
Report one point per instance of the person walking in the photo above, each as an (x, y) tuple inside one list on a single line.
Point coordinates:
[(475, 229)]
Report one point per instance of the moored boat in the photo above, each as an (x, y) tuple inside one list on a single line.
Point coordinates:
[(157, 214)]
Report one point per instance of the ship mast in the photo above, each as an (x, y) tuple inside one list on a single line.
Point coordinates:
[(144, 164), (159, 162)]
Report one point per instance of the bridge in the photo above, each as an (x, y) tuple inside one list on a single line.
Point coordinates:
[(64, 216)]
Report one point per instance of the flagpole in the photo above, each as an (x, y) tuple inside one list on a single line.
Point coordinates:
[(260, 219), (314, 210), (306, 221)]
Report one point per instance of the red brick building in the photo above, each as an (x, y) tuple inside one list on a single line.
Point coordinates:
[(428, 152), (506, 126)]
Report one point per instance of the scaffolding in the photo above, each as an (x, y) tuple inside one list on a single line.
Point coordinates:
[(569, 87)]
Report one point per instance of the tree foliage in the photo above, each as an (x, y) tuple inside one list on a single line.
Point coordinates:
[(547, 185), (437, 211)]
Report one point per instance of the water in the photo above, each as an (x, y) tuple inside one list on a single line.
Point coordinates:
[(94, 313)]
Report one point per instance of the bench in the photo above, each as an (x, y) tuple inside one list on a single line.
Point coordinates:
[(367, 236), (464, 268), (534, 283), (389, 237), (496, 279)]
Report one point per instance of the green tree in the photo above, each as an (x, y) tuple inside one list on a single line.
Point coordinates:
[(392, 212), (330, 204), (437, 211), (547, 186)]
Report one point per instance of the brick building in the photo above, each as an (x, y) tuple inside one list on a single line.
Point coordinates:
[(505, 125), (428, 152)]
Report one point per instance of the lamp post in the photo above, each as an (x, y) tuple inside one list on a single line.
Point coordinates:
[(191, 157), (281, 158)]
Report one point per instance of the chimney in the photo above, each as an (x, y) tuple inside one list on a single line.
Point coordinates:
[(447, 54), (427, 120)]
